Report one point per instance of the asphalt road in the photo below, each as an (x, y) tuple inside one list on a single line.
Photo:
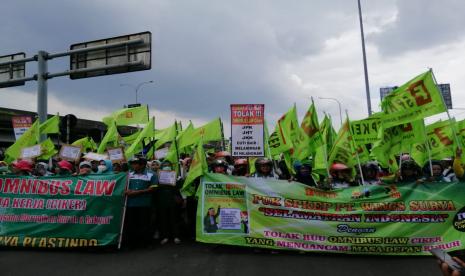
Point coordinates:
[(201, 259)]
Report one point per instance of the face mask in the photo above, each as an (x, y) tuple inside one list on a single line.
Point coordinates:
[(42, 171), (102, 168), (3, 169), (166, 169)]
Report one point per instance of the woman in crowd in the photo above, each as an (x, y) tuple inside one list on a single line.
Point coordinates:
[(371, 172), (341, 176), (304, 172), (168, 205)]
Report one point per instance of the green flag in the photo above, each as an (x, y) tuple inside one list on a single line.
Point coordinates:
[(311, 128), (415, 100), (198, 168), (320, 158), (366, 131), (397, 139), (48, 149), (441, 139), (128, 116), (329, 134), (132, 137), (342, 151), (87, 144), (51, 125), (29, 138), (112, 136), (208, 132), (166, 135), (460, 127), (183, 136), (384, 151), (137, 145), (299, 142)]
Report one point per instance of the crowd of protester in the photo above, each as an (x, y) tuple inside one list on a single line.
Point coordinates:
[(163, 213)]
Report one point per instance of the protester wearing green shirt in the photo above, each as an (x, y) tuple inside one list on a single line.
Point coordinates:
[(137, 220)]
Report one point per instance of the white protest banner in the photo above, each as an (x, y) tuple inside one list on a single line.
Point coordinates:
[(31, 152), (116, 154), (247, 132), (167, 178), (21, 124), (70, 153)]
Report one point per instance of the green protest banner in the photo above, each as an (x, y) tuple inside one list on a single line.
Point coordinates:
[(408, 219), (61, 212)]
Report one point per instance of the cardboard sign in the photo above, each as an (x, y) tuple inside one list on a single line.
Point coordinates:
[(167, 178), (247, 132), (70, 153), (31, 152), (21, 124), (95, 156), (161, 153), (116, 154)]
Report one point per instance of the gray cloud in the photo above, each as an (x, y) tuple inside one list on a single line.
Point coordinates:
[(422, 24), (209, 54)]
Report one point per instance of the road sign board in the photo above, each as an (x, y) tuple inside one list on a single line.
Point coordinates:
[(113, 56), (12, 71)]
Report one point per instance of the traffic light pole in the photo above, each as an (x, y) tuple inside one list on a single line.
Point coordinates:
[(42, 89), (43, 75)]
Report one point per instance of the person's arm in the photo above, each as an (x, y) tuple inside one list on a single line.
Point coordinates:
[(457, 166), (447, 271), (139, 192)]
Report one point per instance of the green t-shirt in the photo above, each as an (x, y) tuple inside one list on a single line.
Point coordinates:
[(141, 181)]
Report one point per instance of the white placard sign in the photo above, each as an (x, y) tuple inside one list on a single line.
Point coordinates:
[(116, 154), (247, 132), (21, 124), (69, 152), (230, 219), (95, 156), (167, 178), (31, 152), (161, 153)]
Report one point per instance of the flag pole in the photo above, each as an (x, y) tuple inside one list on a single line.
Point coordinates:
[(452, 124), (428, 148), (59, 132), (176, 145), (325, 152), (355, 147), (325, 156), (222, 136)]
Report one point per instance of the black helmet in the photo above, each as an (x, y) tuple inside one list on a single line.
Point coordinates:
[(138, 159), (219, 162), (263, 161), (371, 165)]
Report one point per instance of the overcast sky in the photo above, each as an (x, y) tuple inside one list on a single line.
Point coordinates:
[(210, 54)]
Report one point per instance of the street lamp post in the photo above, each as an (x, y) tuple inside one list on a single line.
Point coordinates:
[(339, 104), (136, 88)]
